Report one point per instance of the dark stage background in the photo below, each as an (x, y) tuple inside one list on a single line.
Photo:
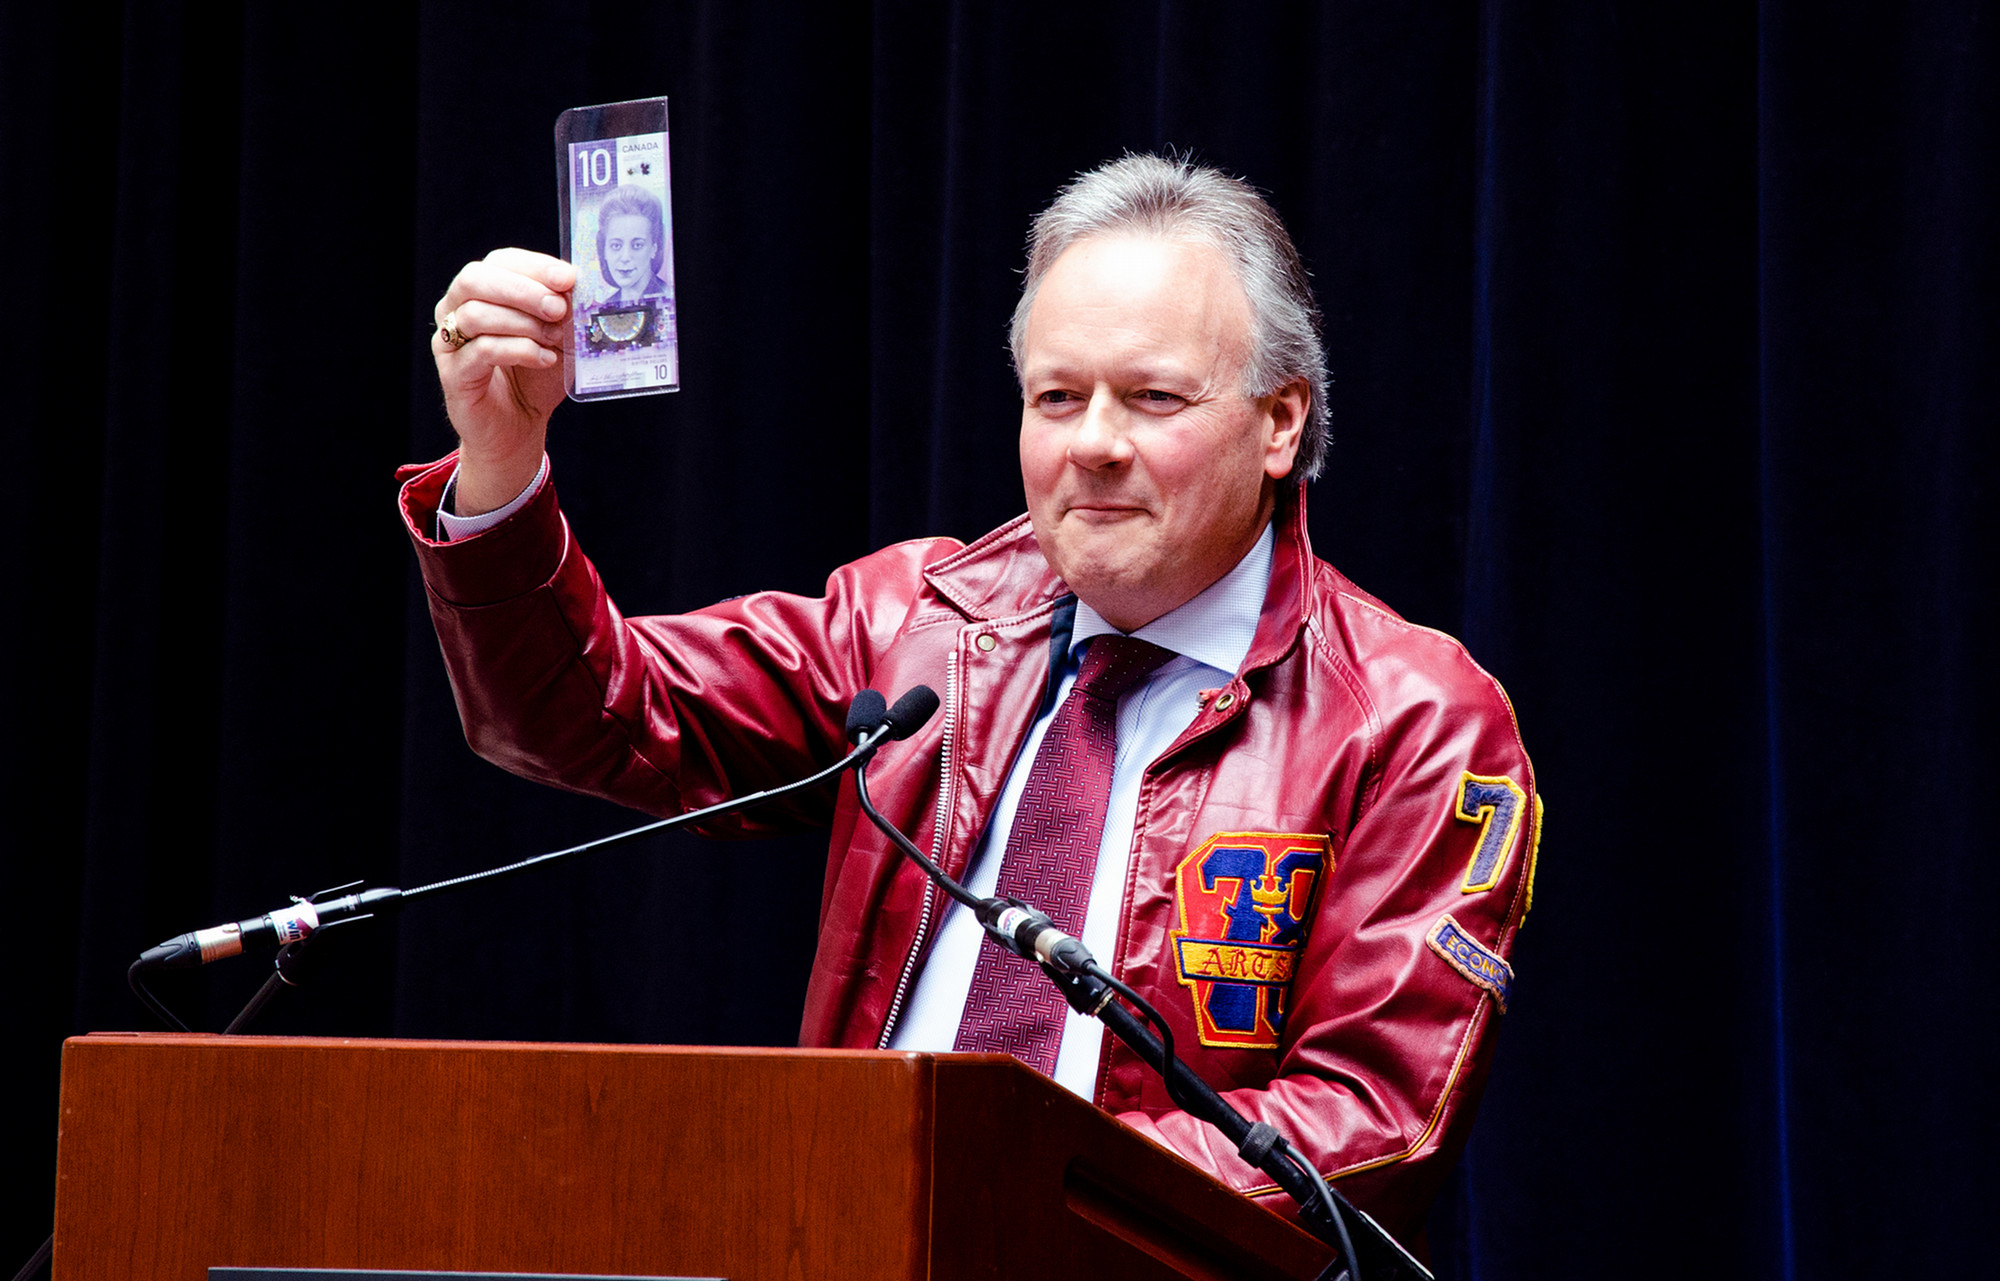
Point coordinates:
[(1663, 341)]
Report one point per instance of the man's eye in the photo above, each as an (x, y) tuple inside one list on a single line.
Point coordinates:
[(1055, 398), (1154, 396)]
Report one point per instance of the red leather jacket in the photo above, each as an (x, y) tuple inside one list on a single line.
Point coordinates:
[(1329, 865)]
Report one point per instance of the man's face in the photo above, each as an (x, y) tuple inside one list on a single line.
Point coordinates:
[(1149, 472), (628, 250)]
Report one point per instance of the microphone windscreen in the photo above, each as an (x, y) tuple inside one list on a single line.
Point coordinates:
[(868, 710), (912, 710)]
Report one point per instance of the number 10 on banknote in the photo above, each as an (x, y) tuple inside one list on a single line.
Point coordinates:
[(618, 231)]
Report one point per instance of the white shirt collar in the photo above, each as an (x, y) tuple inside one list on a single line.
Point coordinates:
[(1216, 627)]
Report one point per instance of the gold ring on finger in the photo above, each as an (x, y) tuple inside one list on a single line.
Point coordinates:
[(454, 337)]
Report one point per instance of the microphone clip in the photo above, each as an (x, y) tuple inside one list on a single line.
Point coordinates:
[(1027, 931)]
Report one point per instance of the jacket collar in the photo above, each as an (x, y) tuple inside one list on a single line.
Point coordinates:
[(1001, 575), (1286, 606)]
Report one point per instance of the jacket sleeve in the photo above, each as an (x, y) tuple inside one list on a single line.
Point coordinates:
[(661, 714), (1392, 1010)]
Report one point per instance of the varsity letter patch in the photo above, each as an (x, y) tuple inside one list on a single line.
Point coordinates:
[(1466, 955), (1244, 900)]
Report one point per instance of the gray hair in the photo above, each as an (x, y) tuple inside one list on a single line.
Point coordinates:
[(1177, 199)]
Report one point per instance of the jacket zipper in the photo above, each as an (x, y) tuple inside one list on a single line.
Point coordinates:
[(937, 852)]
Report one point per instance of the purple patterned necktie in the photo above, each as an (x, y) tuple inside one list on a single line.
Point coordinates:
[(1052, 852)]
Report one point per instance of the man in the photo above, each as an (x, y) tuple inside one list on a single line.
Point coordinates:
[(1307, 828)]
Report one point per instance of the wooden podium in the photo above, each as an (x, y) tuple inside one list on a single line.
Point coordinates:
[(182, 1152)]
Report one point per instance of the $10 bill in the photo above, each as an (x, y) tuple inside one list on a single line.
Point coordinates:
[(618, 232)]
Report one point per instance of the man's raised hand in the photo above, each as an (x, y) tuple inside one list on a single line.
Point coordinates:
[(512, 310)]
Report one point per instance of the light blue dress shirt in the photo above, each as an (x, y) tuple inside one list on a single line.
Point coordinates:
[(451, 528), (1211, 636)]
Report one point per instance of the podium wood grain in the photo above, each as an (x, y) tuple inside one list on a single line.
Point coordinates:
[(178, 1152)]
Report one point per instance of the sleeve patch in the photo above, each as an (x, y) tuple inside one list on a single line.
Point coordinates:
[(1469, 957), (1495, 803)]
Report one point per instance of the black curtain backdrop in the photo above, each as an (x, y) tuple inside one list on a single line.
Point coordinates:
[(1663, 341)]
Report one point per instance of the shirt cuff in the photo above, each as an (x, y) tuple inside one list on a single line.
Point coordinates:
[(451, 528)]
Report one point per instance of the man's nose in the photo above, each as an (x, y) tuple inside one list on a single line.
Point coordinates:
[(1099, 439)]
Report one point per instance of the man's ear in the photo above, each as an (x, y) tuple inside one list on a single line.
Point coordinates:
[(1286, 411)]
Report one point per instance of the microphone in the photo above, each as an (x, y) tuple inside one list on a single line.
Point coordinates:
[(912, 710), (294, 924), (870, 714), (866, 714)]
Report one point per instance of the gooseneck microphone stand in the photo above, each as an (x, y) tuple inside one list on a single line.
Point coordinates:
[(1089, 988), (290, 929)]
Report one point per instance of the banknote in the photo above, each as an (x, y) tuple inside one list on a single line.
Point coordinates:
[(618, 231)]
